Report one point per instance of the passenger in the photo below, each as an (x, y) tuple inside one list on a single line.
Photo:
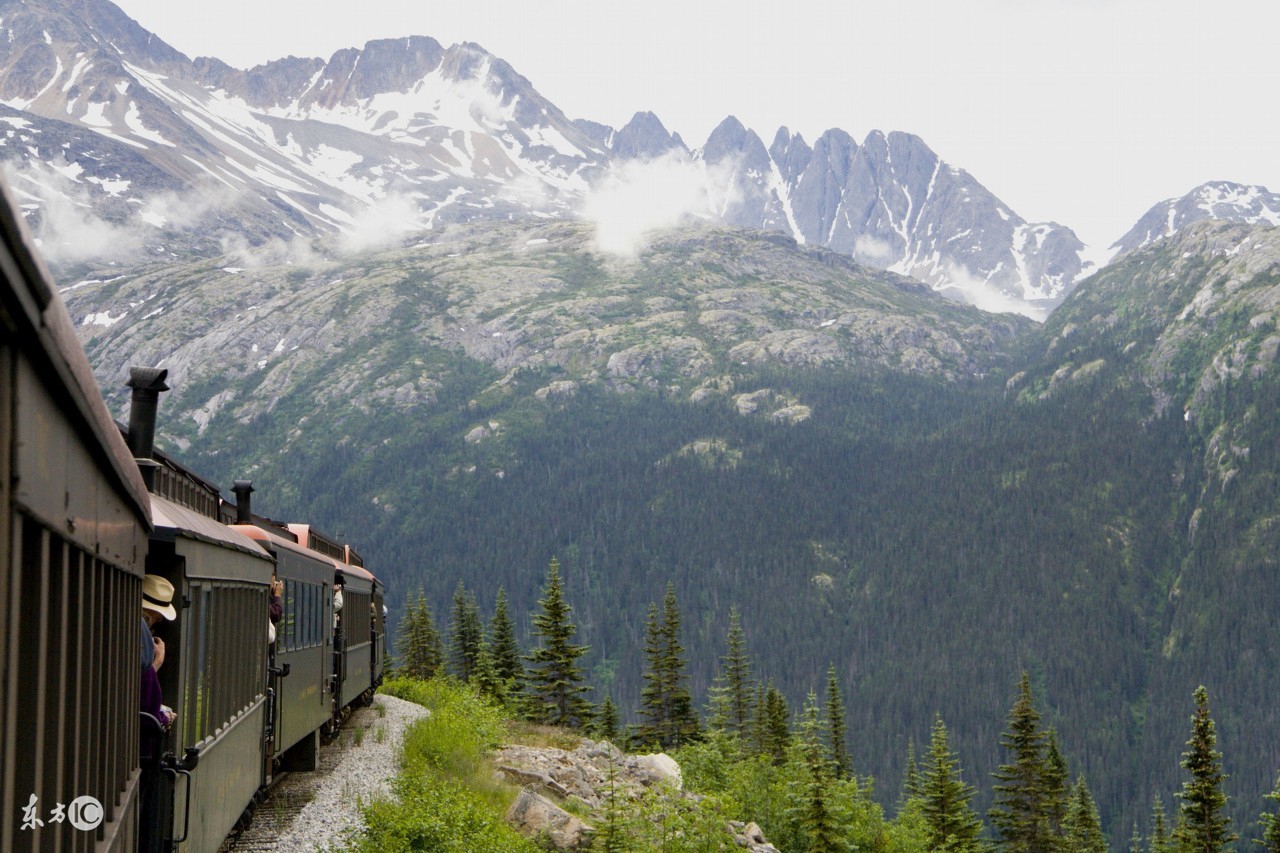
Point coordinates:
[(157, 604), (275, 608), (337, 602)]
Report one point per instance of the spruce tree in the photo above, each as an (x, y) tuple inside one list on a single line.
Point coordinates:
[(555, 678), (1020, 815), (465, 634), (1081, 824), (419, 641), (606, 722), (836, 727), (1160, 840), (1058, 789), (666, 706), (953, 824), (816, 817), (775, 725), (736, 667), (1203, 826), (1269, 822), (503, 646), (911, 779)]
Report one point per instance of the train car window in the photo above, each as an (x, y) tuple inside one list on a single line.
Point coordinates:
[(288, 622)]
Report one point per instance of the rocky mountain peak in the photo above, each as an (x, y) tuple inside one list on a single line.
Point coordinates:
[(1213, 200), (645, 138)]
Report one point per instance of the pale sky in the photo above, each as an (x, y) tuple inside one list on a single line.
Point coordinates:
[(1083, 112)]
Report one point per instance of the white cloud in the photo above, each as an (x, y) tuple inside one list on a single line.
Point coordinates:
[(873, 250), (66, 228), (641, 197), (385, 222), (981, 294)]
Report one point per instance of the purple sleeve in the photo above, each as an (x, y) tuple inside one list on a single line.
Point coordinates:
[(276, 610), (151, 693)]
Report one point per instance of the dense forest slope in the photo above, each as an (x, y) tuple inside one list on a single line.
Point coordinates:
[(929, 498)]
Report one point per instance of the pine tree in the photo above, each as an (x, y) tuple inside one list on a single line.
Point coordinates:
[(1020, 815), (419, 641), (503, 646), (1270, 822), (737, 675), (555, 679), (775, 726), (1082, 826), (666, 706), (606, 723), (1057, 784), (835, 727), (485, 676), (465, 634), (816, 818), (1202, 826), (953, 825), (1160, 840), (911, 780)]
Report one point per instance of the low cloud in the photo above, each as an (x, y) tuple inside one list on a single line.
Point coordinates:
[(985, 296), (638, 198), (385, 222), (873, 250), (65, 227)]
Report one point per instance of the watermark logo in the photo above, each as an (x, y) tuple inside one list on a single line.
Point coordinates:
[(85, 813)]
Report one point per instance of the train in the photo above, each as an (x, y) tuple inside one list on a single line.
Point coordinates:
[(90, 509)]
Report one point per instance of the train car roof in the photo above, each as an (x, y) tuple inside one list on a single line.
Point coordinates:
[(356, 571), (169, 516), (32, 303), (279, 540)]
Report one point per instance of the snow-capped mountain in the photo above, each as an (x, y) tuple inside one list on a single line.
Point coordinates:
[(107, 127), (1214, 200)]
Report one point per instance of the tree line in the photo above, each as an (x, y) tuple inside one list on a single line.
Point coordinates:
[(792, 770)]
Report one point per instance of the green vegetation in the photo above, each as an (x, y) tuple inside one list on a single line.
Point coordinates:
[(445, 798)]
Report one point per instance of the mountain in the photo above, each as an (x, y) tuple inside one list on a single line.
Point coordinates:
[(524, 303), (403, 135), (1221, 200), (931, 498)]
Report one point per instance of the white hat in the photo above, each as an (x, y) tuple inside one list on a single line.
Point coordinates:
[(157, 595)]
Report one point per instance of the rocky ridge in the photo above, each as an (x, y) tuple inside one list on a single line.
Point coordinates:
[(108, 129), (585, 778)]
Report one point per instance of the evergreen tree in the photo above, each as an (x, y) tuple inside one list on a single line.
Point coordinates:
[(503, 646), (606, 722), (419, 641), (1057, 784), (1160, 840), (1082, 826), (465, 635), (1202, 826), (836, 736), (1271, 823), (911, 780), (775, 725), (1135, 839), (729, 698), (666, 706), (817, 821), (485, 676), (555, 678), (1020, 813), (736, 667), (952, 823)]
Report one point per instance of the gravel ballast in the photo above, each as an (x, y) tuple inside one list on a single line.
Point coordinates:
[(314, 811)]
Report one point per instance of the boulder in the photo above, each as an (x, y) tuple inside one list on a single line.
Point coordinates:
[(536, 816)]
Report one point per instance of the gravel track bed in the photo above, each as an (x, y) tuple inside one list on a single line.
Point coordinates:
[(307, 812)]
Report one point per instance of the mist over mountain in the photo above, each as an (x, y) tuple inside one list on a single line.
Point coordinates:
[(403, 135)]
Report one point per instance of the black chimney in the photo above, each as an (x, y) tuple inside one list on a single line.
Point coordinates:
[(147, 383), (243, 488)]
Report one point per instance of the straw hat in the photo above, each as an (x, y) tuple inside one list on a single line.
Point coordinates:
[(157, 595)]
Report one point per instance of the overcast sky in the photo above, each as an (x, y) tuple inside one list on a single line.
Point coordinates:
[(1084, 112)]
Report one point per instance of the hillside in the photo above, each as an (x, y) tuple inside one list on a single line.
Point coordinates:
[(929, 498)]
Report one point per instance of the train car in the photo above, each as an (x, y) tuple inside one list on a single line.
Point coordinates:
[(357, 626), (301, 664), (214, 675), (73, 543)]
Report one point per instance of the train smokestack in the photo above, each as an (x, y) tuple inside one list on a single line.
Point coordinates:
[(147, 383), (244, 512)]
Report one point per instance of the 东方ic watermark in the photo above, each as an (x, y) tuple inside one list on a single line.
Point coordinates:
[(84, 813)]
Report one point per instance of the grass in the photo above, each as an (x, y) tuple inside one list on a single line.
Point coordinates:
[(446, 797)]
